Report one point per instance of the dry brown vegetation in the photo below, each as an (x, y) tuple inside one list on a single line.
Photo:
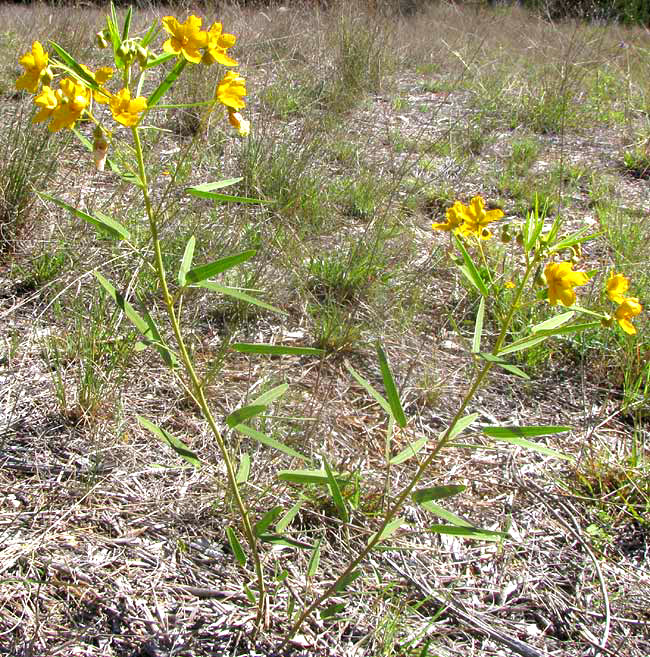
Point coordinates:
[(366, 126)]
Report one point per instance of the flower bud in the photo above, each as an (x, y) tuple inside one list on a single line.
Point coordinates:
[(505, 235), (540, 278), (142, 55), (100, 39), (607, 321), (47, 76)]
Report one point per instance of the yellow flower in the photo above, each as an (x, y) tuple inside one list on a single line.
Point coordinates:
[(242, 125), (561, 280), (47, 101), (186, 38), (509, 285), (617, 286), (34, 63), (231, 91), (217, 45), (73, 99), (476, 218), (125, 110), (630, 307), (454, 217)]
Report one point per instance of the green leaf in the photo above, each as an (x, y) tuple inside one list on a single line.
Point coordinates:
[(166, 83), (391, 389), (287, 541), (314, 560), (168, 356), (271, 395), (203, 272), (436, 493), (101, 222), (288, 517), (369, 388), (269, 442), (553, 322), (469, 269), (332, 610), (71, 63), (310, 477), (187, 261), (469, 532), (161, 59), (522, 442), (238, 294), (127, 24), (388, 530), (244, 469), (206, 190), (513, 369), (275, 349), (177, 445), (441, 512), (151, 34), (347, 580), (250, 595), (478, 327), (461, 425), (125, 306), (572, 328), (235, 546), (523, 432), (524, 343), (210, 187), (244, 413), (335, 491), (266, 520), (409, 452)]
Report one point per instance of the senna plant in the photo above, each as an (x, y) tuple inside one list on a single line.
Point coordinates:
[(119, 99)]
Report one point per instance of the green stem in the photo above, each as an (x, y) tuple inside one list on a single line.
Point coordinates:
[(196, 386), (423, 467)]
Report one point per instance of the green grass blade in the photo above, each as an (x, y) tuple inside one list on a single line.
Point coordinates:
[(186, 263), (409, 452), (314, 560), (166, 83), (367, 386), (436, 493), (335, 492), (269, 442), (241, 296), (177, 445), (101, 222), (203, 272), (244, 413), (236, 547), (478, 327), (244, 470), (266, 520), (391, 389), (275, 349)]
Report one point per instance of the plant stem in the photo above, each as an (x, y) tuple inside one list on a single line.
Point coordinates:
[(196, 386)]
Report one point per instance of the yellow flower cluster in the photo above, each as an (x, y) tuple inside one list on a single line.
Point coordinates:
[(628, 307), (195, 45), (469, 221)]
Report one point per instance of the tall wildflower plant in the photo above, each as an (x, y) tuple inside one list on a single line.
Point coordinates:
[(118, 100)]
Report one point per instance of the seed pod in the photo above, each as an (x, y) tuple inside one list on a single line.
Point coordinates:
[(100, 149), (505, 235), (607, 322)]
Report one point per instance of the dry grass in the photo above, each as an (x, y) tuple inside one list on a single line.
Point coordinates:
[(109, 547)]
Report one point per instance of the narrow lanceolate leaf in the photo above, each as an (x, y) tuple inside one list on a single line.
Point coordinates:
[(168, 356), (235, 546), (241, 296), (553, 322), (275, 349), (177, 445), (269, 442), (391, 389), (461, 425), (436, 493), (244, 413), (347, 580), (335, 492), (271, 395), (166, 83), (367, 386), (207, 190), (524, 343), (528, 444), (71, 63), (409, 452), (266, 520), (332, 610), (203, 272), (244, 469), (287, 541), (572, 328), (441, 512), (101, 222), (161, 59), (469, 269), (287, 518), (211, 186), (314, 560), (127, 24), (125, 306), (151, 34), (523, 432), (469, 532), (513, 369), (478, 327), (186, 263), (388, 530), (309, 477)]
